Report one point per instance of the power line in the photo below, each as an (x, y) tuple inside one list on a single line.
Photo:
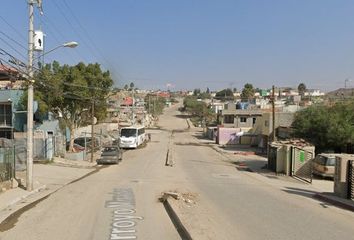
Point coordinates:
[(57, 32), (84, 31), (13, 28), (9, 45), (55, 35), (82, 39), (11, 39), (88, 87)]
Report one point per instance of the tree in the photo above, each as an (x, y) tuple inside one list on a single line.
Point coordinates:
[(247, 92), (131, 86), (126, 87), (154, 104), (204, 95), (327, 127), (196, 92), (199, 110), (302, 89), (225, 94), (70, 91)]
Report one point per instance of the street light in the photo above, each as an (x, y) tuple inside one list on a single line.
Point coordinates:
[(67, 44), (29, 171)]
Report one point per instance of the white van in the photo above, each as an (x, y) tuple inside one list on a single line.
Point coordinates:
[(132, 137)]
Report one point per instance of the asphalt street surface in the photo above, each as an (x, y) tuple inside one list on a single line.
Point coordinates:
[(121, 201)]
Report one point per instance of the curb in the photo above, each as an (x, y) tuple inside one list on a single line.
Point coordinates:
[(334, 202), (182, 231), (72, 165), (6, 211), (16, 200), (8, 215)]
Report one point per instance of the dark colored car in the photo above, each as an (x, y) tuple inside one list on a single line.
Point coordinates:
[(111, 154)]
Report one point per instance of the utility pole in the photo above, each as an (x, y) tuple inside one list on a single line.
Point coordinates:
[(29, 170), (149, 103), (154, 106), (92, 130), (133, 115), (273, 117)]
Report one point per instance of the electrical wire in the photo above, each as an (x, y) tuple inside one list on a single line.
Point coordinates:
[(84, 31), (55, 32), (14, 49), (82, 39), (13, 28), (11, 39)]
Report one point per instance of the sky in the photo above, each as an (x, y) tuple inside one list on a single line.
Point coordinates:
[(188, 44)]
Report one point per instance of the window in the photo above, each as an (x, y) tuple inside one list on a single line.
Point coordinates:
[(6, 133), (254, 121), (128, 132), (5, 114), (141, 131), (229, 118), (243, 119)]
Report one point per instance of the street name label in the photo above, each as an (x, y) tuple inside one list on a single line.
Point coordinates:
[(124, 219)]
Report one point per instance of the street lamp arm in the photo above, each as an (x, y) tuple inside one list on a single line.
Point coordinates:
[(67, 44)]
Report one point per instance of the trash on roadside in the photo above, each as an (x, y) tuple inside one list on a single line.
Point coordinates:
[(166, 195)]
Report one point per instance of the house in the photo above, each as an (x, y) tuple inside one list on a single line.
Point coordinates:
[(239, 118), (216, 106), (314, 93), (10, 120), (264, 126)]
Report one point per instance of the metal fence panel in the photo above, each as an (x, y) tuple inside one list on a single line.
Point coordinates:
[(301, 164), (351, 179)]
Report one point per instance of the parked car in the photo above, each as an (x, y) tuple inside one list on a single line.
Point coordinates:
[(81, 141), (77, 147), (111, 154), (323, 165)]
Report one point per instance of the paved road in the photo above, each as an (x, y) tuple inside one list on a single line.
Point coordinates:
[(231, 204), (121, 200)]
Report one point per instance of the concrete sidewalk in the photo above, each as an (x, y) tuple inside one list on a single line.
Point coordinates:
[(47, 178)]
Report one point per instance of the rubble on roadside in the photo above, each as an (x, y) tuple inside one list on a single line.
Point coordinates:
[(188, 198)]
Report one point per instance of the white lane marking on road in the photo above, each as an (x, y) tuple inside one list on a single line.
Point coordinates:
[(124, 219)]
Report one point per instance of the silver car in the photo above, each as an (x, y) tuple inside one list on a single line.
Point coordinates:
[(111, 154)]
